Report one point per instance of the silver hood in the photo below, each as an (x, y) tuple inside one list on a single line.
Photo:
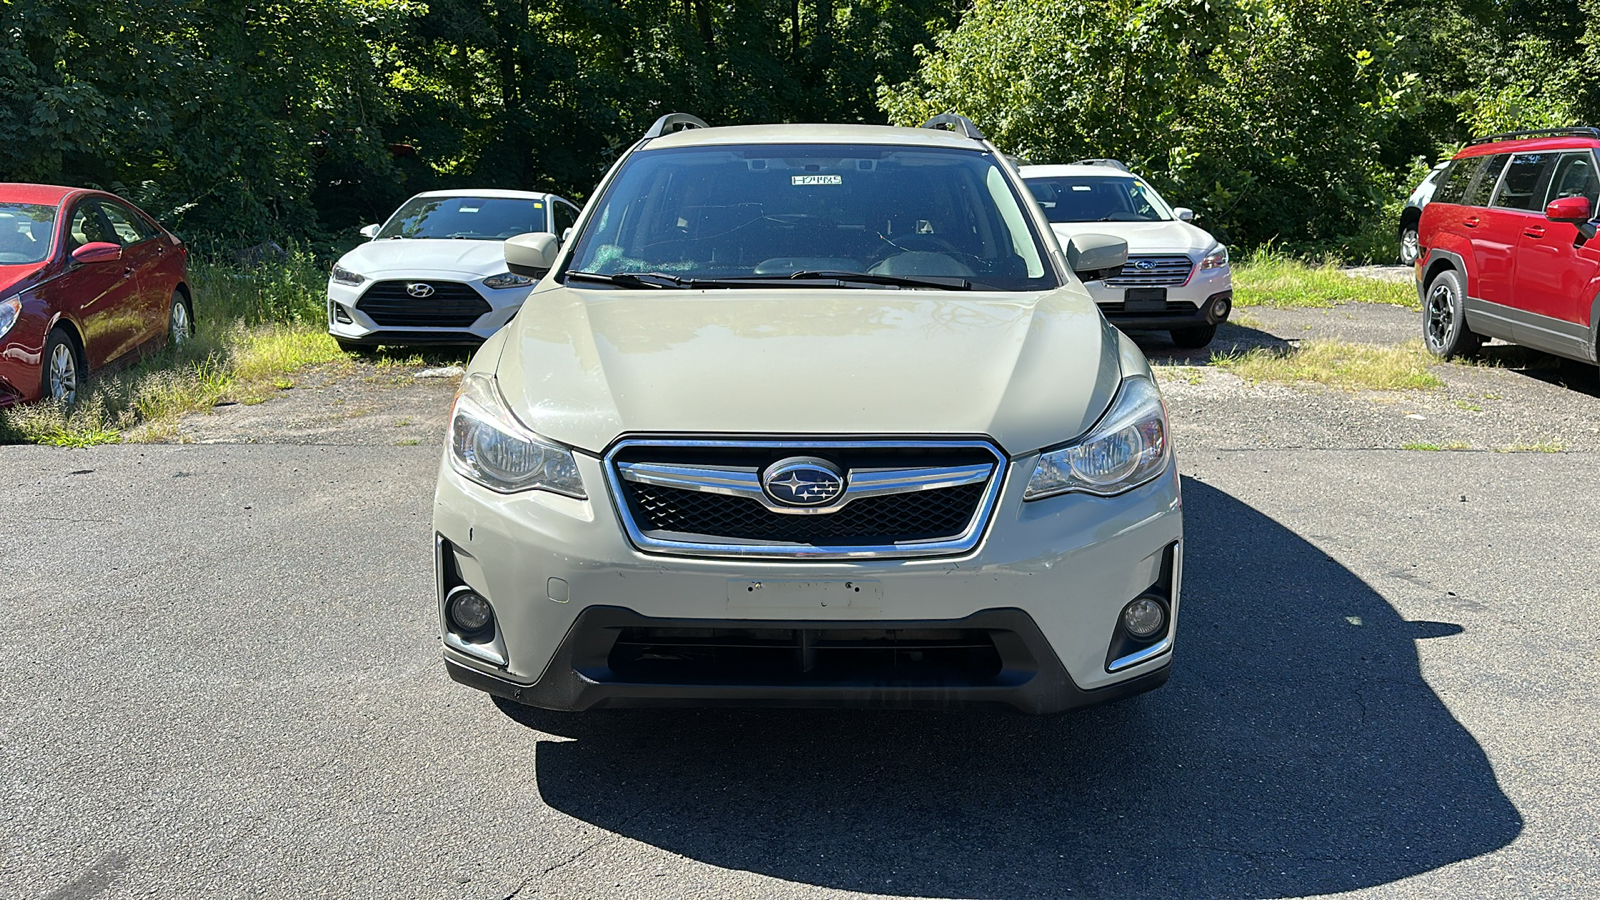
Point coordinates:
[(476, 259), (584, 367)]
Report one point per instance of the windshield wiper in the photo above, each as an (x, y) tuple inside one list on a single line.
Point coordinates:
[(950, 283), (633, 279)]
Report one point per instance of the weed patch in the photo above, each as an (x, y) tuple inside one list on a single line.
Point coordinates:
[(1270, 278), (1337, 364)]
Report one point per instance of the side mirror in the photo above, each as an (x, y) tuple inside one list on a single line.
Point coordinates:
[(1184, 213), (97, 252), (1096, 256), (1576, 210), (371, 231), (566, 235), (531, 254)]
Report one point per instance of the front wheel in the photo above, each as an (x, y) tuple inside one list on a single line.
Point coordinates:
[(180, 321), (1194, 338), (1410, 245), (1444, 318), (63, 369)]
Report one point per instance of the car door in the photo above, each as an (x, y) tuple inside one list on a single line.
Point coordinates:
[(1494, 239), (144, 256), (98, 296), (1555, 269)]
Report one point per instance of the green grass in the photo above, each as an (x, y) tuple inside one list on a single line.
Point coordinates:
[(1270, 278), (1337, 364), (1434, 448), (253, 330)]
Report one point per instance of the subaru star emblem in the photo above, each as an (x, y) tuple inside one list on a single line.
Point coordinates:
[(803, 481), (419, 290), (1144, 264)]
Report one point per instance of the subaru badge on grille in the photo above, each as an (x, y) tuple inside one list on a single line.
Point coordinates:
[(803, 481)]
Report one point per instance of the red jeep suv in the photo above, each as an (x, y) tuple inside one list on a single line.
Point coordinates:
[(1508, 245)]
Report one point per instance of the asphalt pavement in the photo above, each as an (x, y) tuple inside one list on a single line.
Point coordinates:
[(222, 679)]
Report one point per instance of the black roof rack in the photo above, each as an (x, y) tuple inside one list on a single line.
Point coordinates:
[(1572, 131), (953, 122), (1109, 163), (671, 122)]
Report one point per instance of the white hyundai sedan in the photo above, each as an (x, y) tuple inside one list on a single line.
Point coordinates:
[(435, 272)]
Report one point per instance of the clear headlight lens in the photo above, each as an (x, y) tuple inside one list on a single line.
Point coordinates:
[(345, 276), (506, 280), (10, 312), (489, 446), (1128, 448), (1216, 259)]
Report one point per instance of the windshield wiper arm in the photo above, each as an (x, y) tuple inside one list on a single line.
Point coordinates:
[(632, 279), (947, 283)]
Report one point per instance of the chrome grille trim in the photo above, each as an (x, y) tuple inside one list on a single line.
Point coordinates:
[(1169, 270), (740, 482), (746, 482)]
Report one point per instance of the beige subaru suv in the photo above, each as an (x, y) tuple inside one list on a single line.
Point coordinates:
[(809, 415)]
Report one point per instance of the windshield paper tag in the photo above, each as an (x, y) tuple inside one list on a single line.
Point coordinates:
[(798, 180)]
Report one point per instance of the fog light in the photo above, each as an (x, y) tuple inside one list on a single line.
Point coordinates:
[(1220, 308), (469, 612), (1144, 618)]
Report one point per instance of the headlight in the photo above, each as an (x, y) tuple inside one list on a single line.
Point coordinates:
[(489, 446), (1127, 449), (506, 280), (10, 312), (1216, 259), (345, 276)]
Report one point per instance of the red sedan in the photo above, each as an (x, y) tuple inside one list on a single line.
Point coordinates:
[(86, 281)]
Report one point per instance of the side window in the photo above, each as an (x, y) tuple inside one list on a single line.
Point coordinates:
[(1483, 188), (124, 223), (1527, 181), (1575, 176), (86, 226), (1454, 182), (566, 217)]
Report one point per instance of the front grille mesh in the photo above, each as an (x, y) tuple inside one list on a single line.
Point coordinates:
[(916, 516), (452, 305), (792, 656), (1164, 271)]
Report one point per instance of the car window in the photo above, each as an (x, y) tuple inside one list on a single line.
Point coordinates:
[(772, 210), (566, 216), (1457, 178), (1575, 176), (1526, 183), (466, 218), (124, 223), (87, 226), (25, 232), (1483, 189), (1098, 199)]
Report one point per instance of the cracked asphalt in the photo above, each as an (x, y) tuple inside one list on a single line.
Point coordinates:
[(222, 680)]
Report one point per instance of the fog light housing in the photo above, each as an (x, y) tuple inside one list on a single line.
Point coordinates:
[(469, 612), (1144, 618)]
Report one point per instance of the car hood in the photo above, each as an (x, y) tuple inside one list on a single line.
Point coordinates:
[(586, 366), (1144, 237), (13, 276), (375, 259)]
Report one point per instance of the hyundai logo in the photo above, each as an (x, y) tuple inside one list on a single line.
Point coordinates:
[(803, 481), (419, 290), (1144, 264)]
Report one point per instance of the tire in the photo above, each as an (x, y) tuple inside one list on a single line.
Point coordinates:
[(180, 321), (1410, 245), (1444, 318), (64, 372), (1195, 337)]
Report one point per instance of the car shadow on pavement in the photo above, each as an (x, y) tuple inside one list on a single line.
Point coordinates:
[(1231, 338), (1297, 750)]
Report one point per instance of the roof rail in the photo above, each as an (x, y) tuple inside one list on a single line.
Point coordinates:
[(1109, 163), (1571, 131), (952, 122), (671, 122)]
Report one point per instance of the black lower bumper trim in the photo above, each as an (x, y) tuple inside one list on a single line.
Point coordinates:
[(1216, 309), (1030, 677), (416, 338)]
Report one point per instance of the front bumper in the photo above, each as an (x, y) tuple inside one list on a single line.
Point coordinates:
[(1205, 299), (1049, 579), (348, 323)]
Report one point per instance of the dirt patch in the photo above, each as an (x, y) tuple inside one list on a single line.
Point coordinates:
[(359, 400)]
